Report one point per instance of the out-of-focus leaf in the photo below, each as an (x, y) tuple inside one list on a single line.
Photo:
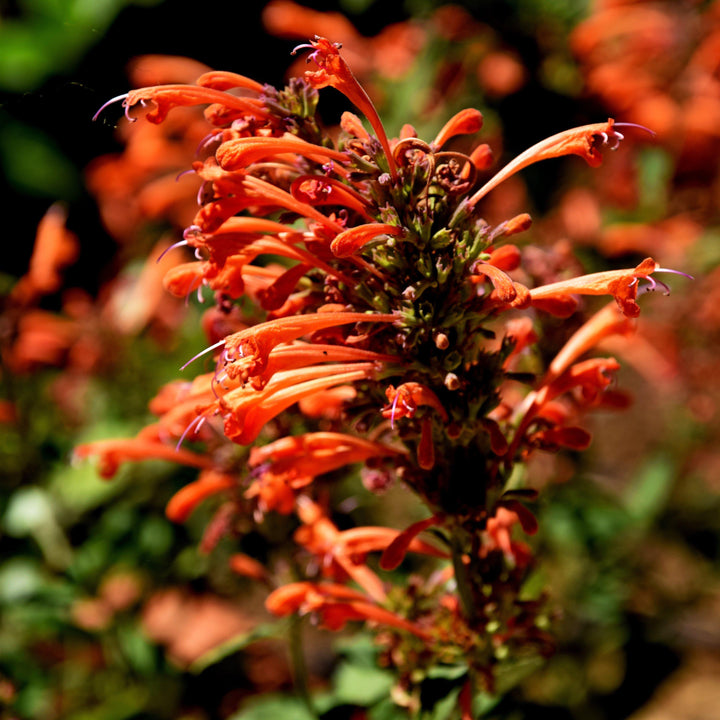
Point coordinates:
[(647, 497), (362, 686), (33, 163), (119, 705), (136, 648), (386, 709), (656, 169), (20, 578), (444, 708), (28, 509), (50, 37), (273, 707), (31, 512)]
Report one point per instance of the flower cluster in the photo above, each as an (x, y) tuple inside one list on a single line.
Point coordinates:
[(365, 313)]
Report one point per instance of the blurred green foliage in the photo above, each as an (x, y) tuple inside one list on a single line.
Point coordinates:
[(41, 38)]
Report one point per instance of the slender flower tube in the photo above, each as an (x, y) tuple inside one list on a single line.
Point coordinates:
[(585, 141), (335, 72)]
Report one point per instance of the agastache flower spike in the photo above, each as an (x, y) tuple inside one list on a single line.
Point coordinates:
[(366, 264)]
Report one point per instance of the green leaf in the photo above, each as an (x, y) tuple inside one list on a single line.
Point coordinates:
[(34, 163), (648, 496), (20, 579), (444, 708), (274, 707), (363, 686)]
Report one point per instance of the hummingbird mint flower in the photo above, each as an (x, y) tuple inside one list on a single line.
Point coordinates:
[(365, 314)]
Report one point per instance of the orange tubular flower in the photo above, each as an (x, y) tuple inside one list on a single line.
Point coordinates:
[(351, 240), (605, 323), (111, 453), (55, 247), (335, 605), (240, 153), (297, 355), (396, 550), (166, 97), (322, 538), (466, 122), (408, 397), (584, 141), (335, 72), (291, 463), (185, 500), (223, 80), (621, 284), (246, 413), (315, 190), (257, 341)]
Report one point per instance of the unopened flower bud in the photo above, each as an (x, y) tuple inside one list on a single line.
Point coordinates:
[(442, 341), (452, 382), (453, 431)]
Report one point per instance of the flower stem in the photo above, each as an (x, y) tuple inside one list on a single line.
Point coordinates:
[(462, 577), (299, 666)]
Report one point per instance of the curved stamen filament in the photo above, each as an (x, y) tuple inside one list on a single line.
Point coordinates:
[(218, 344)]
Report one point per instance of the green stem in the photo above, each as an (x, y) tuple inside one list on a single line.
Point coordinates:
[(462, 577), (297, 658)]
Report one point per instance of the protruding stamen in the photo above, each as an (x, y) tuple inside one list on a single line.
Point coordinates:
[(674, 272), (179, 243), (193, 427), (634, 125), (203, 352), (122, 97)]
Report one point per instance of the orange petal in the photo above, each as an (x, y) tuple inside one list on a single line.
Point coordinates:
[(240, 153), (349, 241), (185, 500), (465, 122), (398, 548)]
